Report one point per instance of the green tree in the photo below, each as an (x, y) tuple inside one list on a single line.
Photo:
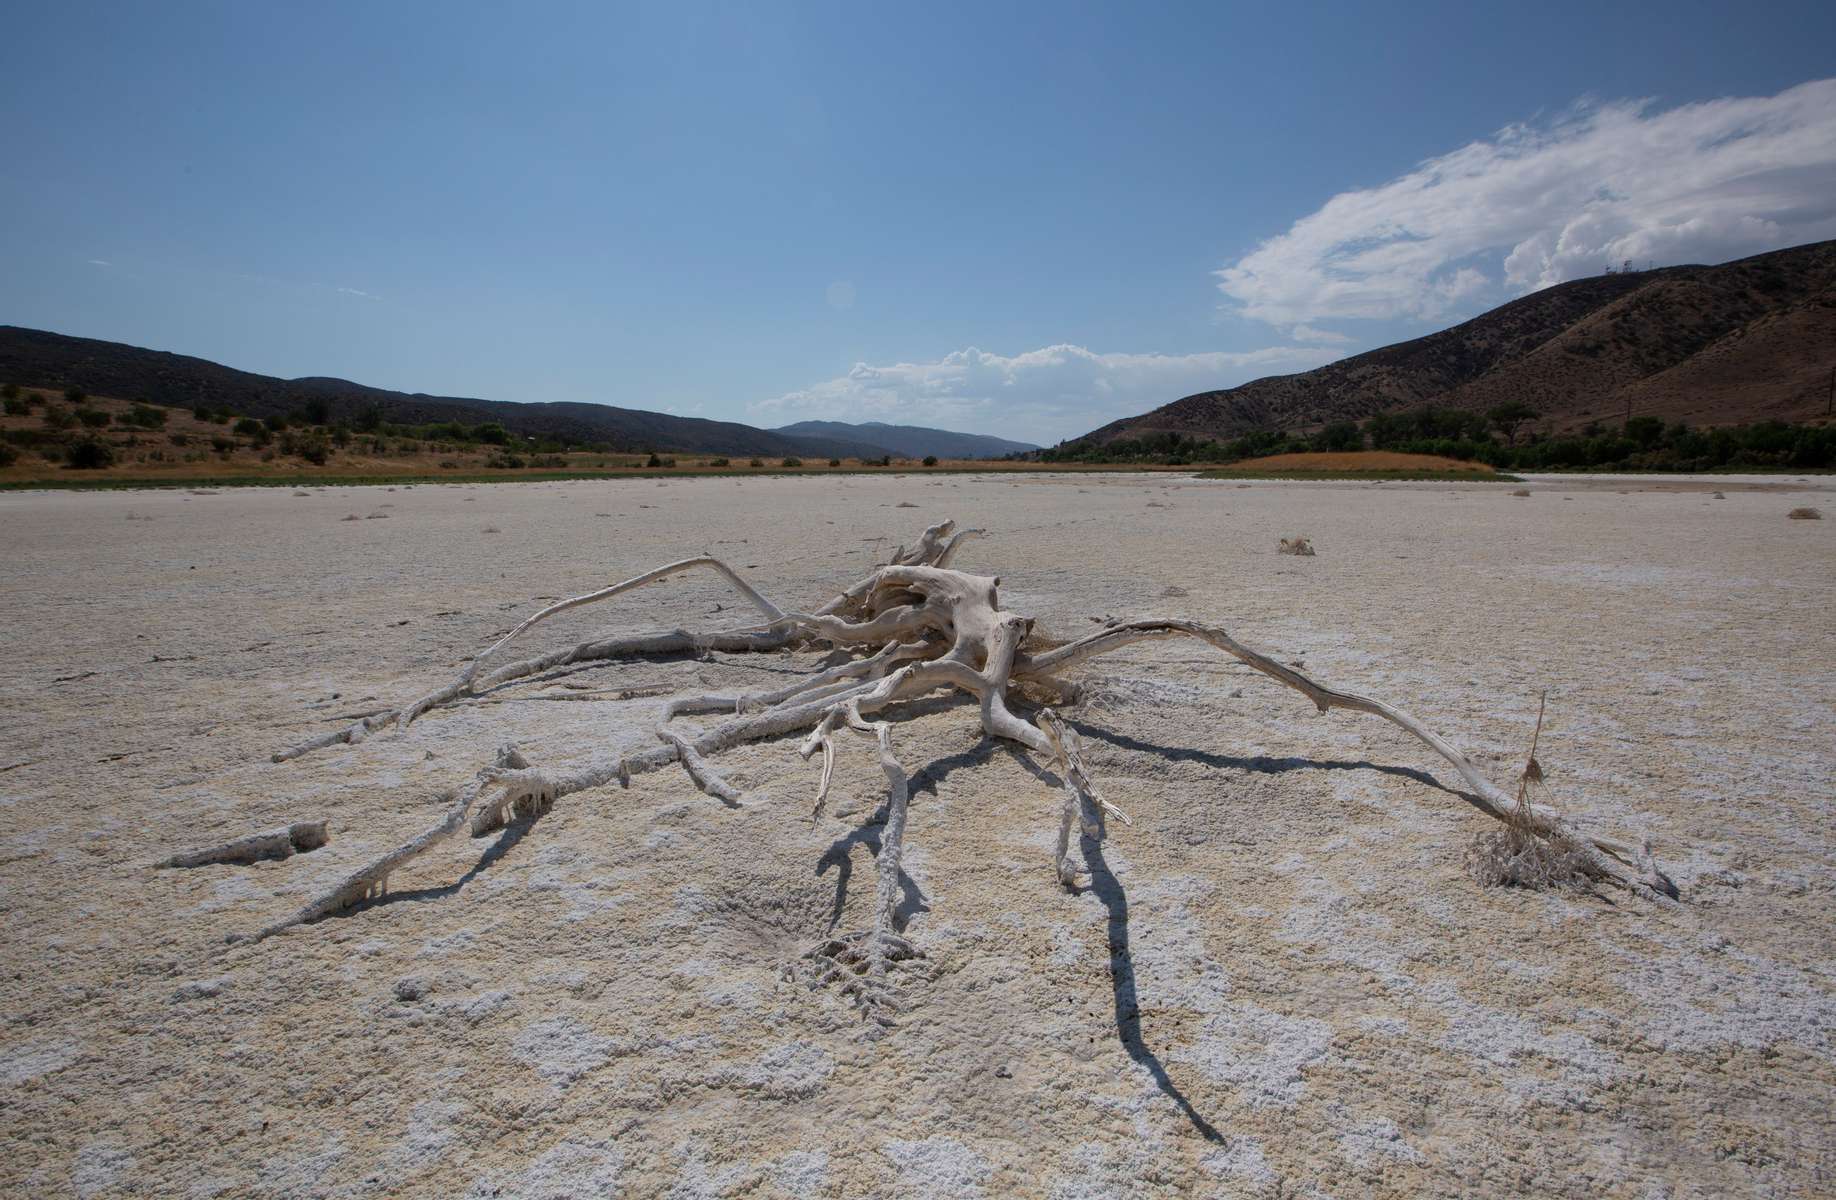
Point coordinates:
[(1508, 416)]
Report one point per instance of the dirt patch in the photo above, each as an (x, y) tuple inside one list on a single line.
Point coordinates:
[(1359, 460)]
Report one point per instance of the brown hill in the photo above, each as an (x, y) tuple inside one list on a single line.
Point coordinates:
[(39, 358), (1720, 345)]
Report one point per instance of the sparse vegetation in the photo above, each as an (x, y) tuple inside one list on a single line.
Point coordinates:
[(930, 460), (791, 462), (1805, 514)]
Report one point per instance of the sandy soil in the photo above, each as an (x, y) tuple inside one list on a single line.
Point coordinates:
[(1281, 982)]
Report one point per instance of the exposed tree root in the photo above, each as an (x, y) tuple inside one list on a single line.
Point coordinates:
[(914, 627)]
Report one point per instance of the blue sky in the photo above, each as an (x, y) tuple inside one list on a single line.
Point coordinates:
[(1022, 220)]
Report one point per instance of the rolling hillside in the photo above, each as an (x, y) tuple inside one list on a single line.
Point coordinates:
[(35, 358), (1744, 341), (913, 441)]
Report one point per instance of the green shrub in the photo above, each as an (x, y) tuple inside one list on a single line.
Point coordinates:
[(791, 462), (9, 391), (757, 462), (93, 418), (930, 460), (250, 427), (75, 395), (90, 455), (222, 444), (178, 439), (16, 407), (8, 455), (146, 416), (276, 424), (718, 462), (201, 411), (58, 417), (653, 460), (835, 462)]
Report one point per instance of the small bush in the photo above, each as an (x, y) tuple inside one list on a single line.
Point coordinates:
[(16, 407), (201, 411), (9, 391), (91, 455), (75, 395), (791, 462), (93, 418), (835, 462), (250, 427), (179, 439), (8, 455), (506, 462), (718, 462), (1296, 545), (653, 461), (313, 449), (222, 444), (1805, 514), (58, 417), (276, 424), (757, 462), (146, 416), (930, 460)]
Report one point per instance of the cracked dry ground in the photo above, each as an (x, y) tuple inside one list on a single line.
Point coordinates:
[(1280, 981)]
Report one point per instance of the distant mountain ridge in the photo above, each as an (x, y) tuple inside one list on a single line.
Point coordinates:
[(1712, 345), (38, 358), (911, 441)]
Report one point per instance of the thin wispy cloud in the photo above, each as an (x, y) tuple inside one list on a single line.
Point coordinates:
[(98, 262), (351, 291), (1054, 392), (1536, 205)]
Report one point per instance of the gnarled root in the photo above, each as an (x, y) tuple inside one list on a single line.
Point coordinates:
[(859, 962)]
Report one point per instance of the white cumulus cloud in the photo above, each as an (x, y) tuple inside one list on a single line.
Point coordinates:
[(1043, 395), (1535, 205)]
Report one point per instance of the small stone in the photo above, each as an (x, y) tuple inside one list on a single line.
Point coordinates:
[(411, 988)]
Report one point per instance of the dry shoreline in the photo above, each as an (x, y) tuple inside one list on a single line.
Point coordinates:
[(1281, 981)]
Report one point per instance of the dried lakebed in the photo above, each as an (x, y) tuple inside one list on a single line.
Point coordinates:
[(1279, 981)]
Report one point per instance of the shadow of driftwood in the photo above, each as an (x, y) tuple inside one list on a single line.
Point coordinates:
[(1109, 891), (513, 833), (1260, 763)]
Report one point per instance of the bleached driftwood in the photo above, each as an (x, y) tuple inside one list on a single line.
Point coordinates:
[(284, 842), (914, 626)]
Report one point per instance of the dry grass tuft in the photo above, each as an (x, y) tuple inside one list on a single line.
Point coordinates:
[(1296, 545), (1514, 856), (1521, 492), (1805, 514)]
